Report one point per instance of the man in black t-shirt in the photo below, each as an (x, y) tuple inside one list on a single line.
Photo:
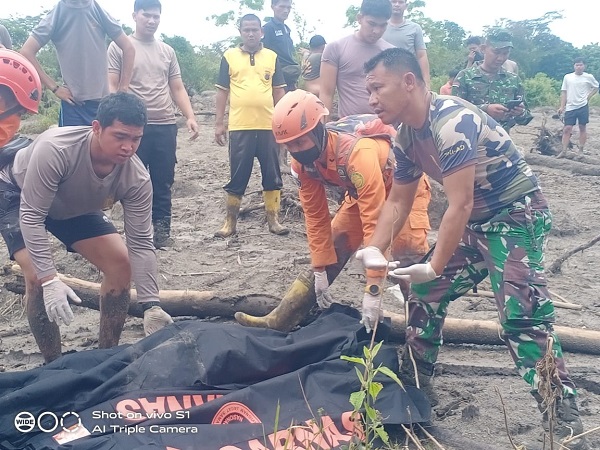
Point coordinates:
[(277, 38)]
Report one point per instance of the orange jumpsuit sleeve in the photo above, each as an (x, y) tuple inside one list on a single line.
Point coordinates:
[(364, 170), (316, 217)]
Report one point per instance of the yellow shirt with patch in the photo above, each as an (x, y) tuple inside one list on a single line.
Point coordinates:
[(250, 78)]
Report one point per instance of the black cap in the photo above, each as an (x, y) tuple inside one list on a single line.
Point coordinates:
[(316, 41)]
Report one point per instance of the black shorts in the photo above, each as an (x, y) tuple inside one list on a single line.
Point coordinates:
[(68, 231), (579, 115)]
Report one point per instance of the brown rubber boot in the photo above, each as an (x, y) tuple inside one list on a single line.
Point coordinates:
[(294, 306), (272, 204), (233, 203)]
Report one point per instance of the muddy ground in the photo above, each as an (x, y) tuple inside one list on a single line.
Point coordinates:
[(256, 261)]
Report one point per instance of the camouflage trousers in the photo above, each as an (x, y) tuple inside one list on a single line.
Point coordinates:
[(509, 247)]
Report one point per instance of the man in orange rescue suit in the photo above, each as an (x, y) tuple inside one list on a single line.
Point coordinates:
[(354, 156)]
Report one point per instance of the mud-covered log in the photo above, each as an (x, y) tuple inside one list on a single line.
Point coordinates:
[(211, 304), (487, 332), (175, 302), (565, 164)]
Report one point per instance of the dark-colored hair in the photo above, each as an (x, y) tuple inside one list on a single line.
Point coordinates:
[(146, 5), (376, 8), (579, 59), (453, 72), (396, 59), (250, 18), (275, 2), (126, 108), (473, 40)]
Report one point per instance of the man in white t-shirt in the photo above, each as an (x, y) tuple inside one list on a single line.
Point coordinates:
[(577, 89)]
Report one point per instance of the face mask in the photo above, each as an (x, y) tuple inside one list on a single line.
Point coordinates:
[(306, 157), (8, 128)]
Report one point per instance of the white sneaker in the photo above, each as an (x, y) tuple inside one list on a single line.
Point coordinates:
[(155, 318)]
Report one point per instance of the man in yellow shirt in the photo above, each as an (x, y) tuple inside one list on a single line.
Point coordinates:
[(251, 73)]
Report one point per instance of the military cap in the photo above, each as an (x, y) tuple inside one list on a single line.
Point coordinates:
[(316, 41), (499, 38)]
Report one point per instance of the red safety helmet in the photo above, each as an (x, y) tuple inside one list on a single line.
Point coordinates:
[(18, 74), (296, 114)]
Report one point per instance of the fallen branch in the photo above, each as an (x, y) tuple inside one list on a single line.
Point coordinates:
[(210, 304), (512, 443), (176, 302), (487, 332), (564, 164), (250, 208), (556, 265), (564, 304), (578, 157)]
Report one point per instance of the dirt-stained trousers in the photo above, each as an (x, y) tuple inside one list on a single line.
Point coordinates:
[(510, 248), (157, 151), (244, 146)]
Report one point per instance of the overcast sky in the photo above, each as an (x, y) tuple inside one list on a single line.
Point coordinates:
[(579, 25)]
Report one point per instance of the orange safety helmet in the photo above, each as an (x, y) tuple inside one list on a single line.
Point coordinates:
[(296, 114), (18, 74)]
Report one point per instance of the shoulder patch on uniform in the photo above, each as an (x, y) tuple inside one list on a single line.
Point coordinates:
[(357, 180)]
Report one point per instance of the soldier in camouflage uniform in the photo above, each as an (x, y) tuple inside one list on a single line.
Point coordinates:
[(489, 86), (496, 224)]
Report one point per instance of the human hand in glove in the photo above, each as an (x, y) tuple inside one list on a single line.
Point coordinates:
[(324, 297), (56, 301), (372, 258), (372, 311), (417, 273), (155, 318)]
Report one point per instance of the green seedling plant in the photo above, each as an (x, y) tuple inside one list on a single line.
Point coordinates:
[(365, 398)]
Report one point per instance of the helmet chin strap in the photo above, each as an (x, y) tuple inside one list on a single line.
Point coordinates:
[(319, 136), (9, 112)]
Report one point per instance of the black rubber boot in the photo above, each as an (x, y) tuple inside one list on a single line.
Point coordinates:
[(162, 233), (567, 422), (425, 373)]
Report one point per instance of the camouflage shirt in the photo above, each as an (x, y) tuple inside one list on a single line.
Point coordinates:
[(483, 89), (456, 135)]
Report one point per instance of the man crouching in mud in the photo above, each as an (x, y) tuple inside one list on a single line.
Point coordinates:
[(60, 182)]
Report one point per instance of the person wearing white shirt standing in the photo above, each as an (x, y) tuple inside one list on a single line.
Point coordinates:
[(577, 89)]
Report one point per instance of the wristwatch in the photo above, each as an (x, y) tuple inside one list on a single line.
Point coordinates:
[(373, 289)]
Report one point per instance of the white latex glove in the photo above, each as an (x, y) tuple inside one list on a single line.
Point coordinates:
[(155, 318), (56, 301), (324, 298), (417, 273), (372, 258), (372, 311)]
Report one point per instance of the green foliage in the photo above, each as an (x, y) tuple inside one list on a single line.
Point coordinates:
[(537, 50), (363, 401), (542, 90), (233, 15), (437, 82), (20, 27), (199, 65), (304, 30)]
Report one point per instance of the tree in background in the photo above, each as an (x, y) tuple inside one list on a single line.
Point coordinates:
[(543, 57)]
